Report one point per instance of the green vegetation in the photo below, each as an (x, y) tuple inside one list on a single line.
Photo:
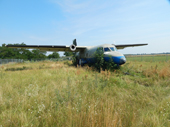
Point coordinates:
[(149, 58), (69, 53), (101, 64), (10, 53), (54, 55), (58, 94)]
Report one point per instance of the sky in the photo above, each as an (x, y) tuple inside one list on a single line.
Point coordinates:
[(91, 22)]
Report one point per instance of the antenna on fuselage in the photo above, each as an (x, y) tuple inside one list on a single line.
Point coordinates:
[(114, 43), (74, 42)]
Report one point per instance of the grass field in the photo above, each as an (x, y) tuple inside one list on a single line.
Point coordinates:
[(148, 58), (58, 94)]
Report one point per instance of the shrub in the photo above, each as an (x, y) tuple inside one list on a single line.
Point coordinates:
[(100, 63), (74, 60)]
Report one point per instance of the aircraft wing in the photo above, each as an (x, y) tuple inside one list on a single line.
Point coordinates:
[(48, 47), (128, 45)]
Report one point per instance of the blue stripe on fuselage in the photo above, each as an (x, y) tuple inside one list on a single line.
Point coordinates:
[(116, 59)]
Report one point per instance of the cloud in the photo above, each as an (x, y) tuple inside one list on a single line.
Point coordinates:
[(86, 16), (127, 21), (81, 7)]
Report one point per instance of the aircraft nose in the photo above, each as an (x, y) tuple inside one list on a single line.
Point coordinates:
[(117, 57), (122, 60)]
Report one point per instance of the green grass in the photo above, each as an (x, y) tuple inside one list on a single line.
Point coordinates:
[(147, 58), (58, 94)]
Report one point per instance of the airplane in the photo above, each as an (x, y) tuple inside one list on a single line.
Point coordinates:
[(85, 54)]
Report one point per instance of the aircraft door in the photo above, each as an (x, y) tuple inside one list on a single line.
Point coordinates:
[(86, 54)]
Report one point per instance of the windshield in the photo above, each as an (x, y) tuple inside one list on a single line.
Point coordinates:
[(107, 49), (113, 48)]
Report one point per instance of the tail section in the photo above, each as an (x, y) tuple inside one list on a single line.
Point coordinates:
[(74, 42)]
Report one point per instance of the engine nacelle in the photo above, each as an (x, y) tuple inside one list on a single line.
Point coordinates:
[(72, 47)]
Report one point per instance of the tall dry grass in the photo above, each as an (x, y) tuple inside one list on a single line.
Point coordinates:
[(57, 94)]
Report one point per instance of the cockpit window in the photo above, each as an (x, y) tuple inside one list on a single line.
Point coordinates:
[(106, 49), (112, 48)]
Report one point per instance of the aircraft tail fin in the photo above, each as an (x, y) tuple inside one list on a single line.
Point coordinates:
[(74, 42)]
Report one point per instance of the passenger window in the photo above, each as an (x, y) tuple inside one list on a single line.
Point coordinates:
[(106, 49)]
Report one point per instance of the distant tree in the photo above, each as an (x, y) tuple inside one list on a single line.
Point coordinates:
[(68, 53), (37, 54), (54, 55), (8, 52), (20, 53), (26, 54)]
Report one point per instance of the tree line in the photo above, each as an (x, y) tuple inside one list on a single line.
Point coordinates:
[(20, 53)]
